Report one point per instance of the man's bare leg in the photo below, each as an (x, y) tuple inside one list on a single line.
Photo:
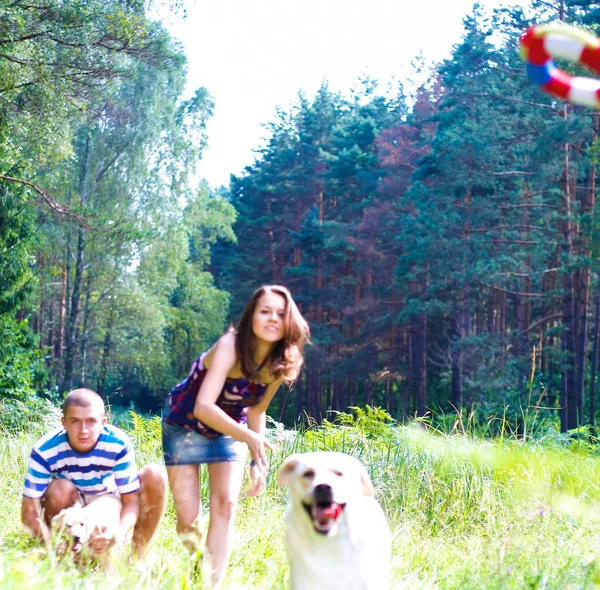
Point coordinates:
[(61, 493), (37, 515), (153, 500)]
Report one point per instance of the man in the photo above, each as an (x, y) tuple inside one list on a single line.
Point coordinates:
[(83, 460)]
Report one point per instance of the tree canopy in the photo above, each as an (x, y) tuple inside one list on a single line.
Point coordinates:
[(440, 237)]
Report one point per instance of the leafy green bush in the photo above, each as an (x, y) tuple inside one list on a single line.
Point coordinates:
[(29, 411), (147, 439), (19, 360)]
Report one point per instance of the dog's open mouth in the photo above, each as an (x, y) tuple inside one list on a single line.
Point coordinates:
[(77, 544), (324, 515)]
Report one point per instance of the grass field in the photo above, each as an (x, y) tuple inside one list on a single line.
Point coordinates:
[(465, 512)]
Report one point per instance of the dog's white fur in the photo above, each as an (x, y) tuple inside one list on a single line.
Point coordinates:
[(78, 523), (343, 546)]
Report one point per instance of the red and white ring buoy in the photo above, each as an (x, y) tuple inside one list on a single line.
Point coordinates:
[(543, 43)]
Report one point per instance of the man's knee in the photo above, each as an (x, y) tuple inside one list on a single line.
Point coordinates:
[(61, 493), (153, 489), (153, 480)]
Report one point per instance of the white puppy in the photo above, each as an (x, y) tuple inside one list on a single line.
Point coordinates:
[(78, 523), (337, 536)]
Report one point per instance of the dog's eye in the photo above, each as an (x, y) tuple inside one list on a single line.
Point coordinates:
[(337, 473), (309, 473)]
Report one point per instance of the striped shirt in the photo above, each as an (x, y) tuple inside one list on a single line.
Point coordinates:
[(108, 467)]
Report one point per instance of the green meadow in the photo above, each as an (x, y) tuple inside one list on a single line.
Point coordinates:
[(466, 511)]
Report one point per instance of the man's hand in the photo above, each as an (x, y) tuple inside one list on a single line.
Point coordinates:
[(102, 538), (32, 519)]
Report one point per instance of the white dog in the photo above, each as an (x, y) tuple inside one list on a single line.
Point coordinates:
[(337, 536), (79, 522)]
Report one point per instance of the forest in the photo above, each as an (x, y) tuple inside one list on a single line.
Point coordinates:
[(439, 237)]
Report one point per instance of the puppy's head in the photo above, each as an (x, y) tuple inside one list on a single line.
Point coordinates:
[(72, 522), (323, 484)]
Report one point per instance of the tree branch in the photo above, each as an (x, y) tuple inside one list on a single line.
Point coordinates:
[(21, 39), (549, 318), (518, 293), (13, 59), (518, 100), (519, 226), (519, 242), (513, 173), (51, 201), (520, 206)]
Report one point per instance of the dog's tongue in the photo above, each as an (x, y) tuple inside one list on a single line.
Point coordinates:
[(76, 546), (325, 514)]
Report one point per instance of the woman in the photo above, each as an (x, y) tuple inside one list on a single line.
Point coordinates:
[(218, 414)]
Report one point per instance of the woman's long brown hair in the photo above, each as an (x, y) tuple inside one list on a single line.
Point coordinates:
[(286, 358)]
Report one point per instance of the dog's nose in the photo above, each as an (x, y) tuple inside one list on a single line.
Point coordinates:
[(323, 494)]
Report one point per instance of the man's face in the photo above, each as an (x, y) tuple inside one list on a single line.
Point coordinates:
[(84, 425)]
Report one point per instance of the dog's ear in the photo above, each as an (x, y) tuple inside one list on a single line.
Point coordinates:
[(58, 520), (365, 480), (285, 473)]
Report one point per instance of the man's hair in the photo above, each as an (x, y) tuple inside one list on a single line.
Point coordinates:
[(82, 398)]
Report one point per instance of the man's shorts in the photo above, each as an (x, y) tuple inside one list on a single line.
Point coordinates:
[(89, 498), (84, 498)]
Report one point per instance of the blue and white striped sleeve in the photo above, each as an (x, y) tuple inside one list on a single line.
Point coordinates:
[(37, 477), (125, 469)]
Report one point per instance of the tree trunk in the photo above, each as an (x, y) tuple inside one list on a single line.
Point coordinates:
[(568, 413), (73, 300), (83, 343), (71, 326), (456, 384), (106, 350), (594, 364), (583, 291), (418, 358)]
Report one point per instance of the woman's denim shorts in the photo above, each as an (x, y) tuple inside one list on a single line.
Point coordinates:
[(182, 446)]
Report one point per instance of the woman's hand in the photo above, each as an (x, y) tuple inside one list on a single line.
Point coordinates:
[(257, 445), (257, 481)]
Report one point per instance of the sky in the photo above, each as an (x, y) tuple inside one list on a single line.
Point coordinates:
[(254, 56)]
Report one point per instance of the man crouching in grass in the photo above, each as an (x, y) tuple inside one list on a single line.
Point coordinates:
[(84, 460)]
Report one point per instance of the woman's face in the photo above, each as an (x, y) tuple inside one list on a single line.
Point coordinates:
[(268, 319)]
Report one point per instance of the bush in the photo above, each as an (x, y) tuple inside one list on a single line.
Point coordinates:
[(19, 361), (30, 410)]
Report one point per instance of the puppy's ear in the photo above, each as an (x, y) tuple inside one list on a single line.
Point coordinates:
[(58, 519), (285, 474), (365, 480)]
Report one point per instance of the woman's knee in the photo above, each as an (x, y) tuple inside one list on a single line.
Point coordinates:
[(186, 523), (223, 506), (190, 536)]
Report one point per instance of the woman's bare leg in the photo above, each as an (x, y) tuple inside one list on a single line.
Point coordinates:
[(225, 481), (185, 488)]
